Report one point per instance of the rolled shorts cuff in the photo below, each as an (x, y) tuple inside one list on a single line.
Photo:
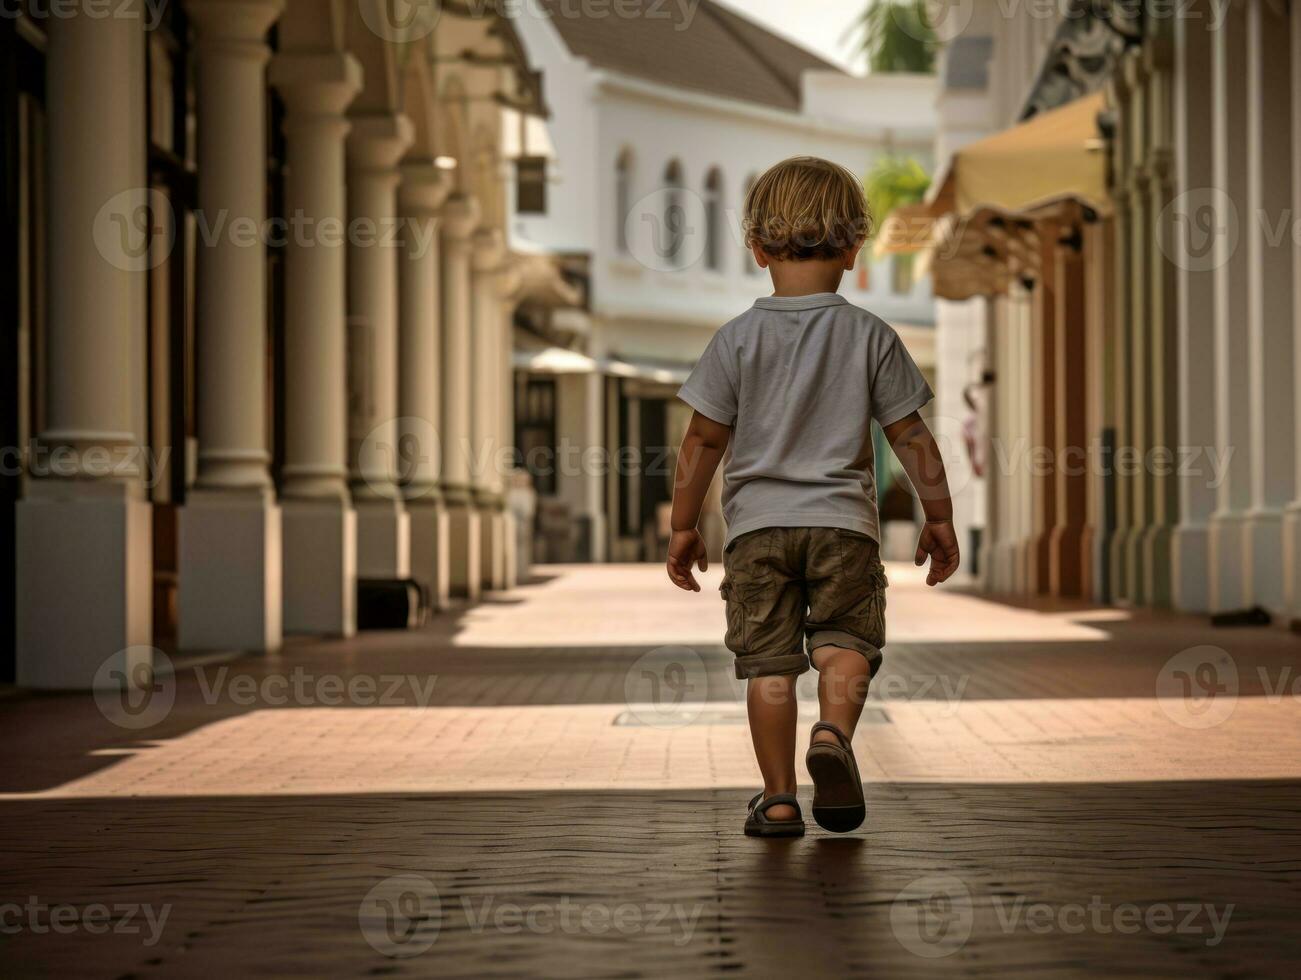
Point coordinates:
[(773, 666), (839, 638)]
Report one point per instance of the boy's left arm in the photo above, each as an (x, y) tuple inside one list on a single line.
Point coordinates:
[(920, 457), (698, 458)]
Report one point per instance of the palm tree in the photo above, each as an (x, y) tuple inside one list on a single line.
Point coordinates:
[(896, 36)]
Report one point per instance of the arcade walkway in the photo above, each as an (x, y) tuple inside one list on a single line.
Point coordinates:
[(553, 783)]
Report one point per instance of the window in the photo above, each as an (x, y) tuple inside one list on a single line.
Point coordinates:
[(714, 220), (622, 198), (674, 215), (535, 430), (531, 185)]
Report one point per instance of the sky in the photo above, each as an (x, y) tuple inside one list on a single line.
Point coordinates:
[(817, 24)]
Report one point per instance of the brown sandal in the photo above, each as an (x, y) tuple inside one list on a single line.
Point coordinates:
[(838, 803)]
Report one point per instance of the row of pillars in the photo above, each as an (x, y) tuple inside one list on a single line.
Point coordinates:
[(396, 362), (1154, 357)]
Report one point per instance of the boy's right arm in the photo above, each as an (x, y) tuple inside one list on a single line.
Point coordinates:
[(698, 458), (920, 457)]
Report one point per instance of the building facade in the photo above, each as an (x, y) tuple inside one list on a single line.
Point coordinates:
[(258, 316), (664, 122), (1141, 310)]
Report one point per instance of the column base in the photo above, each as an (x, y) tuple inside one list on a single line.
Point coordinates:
[(510, 549), (1158, 546), (492, 550), (1117, 577), (464, 539), (1292, 563), (320, 562), (1136, 566), (1190, 558), (1263, 536), (431, 549), (383, 539), (1067, 564), (84, 590), (1228, 563), (230, 562)]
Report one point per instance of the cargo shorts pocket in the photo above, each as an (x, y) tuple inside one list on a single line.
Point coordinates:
[(854, 601), (747, 582)]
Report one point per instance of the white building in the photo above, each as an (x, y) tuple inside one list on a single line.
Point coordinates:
[(662, 123)]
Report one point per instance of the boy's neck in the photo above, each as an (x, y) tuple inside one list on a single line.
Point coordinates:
[(807, 277)]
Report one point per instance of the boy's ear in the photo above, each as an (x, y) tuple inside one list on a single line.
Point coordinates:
[(851, 256), (760, 256)]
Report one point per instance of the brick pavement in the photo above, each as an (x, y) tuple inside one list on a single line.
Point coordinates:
[(567, 794)]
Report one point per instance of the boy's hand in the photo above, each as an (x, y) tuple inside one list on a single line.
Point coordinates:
[(939, 541), (686, 548)]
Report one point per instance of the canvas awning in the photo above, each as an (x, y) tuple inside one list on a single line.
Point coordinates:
[(1053, 156)]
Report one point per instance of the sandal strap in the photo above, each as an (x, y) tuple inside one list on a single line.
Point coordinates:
[(841, 737), (779, 799)]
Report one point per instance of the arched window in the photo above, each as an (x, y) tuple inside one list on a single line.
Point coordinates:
[(622, 197), (714, 220), (751, 266), (675, 217)]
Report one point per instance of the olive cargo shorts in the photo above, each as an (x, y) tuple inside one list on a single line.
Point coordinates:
[(791, 587)]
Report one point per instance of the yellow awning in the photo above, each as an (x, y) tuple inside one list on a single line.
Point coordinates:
[(1053, 155)]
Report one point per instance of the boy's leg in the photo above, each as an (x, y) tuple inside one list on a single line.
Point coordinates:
[(773, 712), (843, 677)]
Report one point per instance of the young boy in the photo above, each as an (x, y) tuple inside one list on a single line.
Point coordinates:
[(788, 391)]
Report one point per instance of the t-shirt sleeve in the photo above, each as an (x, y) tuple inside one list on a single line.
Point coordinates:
[(711, 387), (898, 387)]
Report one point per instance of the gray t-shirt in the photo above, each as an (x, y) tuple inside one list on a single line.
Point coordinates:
[(799, 378)]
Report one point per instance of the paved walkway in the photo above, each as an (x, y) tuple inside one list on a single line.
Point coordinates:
[(552, 784)]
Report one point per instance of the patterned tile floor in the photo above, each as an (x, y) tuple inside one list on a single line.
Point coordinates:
[(551, 784)]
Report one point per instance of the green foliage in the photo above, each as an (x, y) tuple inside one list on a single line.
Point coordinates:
[(894, 181), (896, 36)]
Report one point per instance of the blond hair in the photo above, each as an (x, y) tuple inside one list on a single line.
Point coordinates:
[(806, 208)]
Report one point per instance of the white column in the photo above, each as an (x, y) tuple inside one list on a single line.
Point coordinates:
[(1136, 121), (1232, 395), (230, 530), (506, 421), (83, 544), (485, 429), (375, 145), (1269, 297), (320, 525), (460, 218), (1193, 96), (423, 190), (1292, 517)]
